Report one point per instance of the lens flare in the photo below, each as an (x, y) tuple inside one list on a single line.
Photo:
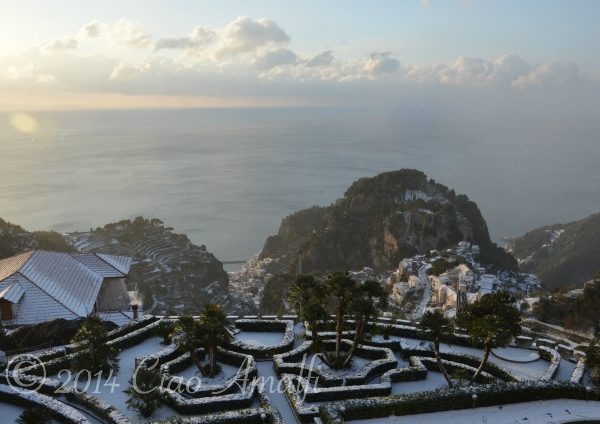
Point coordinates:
[(24, 123)]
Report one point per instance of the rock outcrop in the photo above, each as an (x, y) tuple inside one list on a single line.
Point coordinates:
[(380, 221)]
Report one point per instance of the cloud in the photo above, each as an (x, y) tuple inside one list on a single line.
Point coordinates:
[(272, 58), (424, 3), (130, 34), (93, 29), (550, 74), (27, 72), (60, 45), (198, 37), (472, 71), (381, 63), (245, 35), (322, 59)]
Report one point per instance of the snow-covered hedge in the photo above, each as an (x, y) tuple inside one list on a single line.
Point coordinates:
[(246, 372), (578, 371), (167, 354), (462, 358), (218, 402), (431, 365), (383, 359), (524, 341), (450, 399), (553, 356), (102, 409), (240, 416), (29, 398), (135, 335), (264, 325)]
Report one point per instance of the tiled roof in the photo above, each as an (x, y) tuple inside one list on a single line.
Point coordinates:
[(11, 265)]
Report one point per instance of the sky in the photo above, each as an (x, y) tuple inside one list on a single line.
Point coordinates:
[(89, 54)]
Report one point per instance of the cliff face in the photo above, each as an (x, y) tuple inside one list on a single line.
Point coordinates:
[(381, 220), (561, 254)]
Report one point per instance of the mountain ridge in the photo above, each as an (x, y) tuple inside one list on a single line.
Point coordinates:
[(561, 254)]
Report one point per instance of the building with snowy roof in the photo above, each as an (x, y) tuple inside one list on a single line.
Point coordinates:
[(39, 286)]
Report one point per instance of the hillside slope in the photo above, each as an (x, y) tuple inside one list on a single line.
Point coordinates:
[(15, 239), (381, 220), (561, 254)]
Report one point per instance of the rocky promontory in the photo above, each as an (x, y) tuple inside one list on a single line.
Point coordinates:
[(379, 221)]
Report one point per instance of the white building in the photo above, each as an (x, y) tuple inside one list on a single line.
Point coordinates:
[(40, 286), (415, 283), (487, 283)]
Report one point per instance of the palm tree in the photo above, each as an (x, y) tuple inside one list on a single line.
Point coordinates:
[(145, 391), (187, 331), (165, 330), (215, 331), (35, 415), (436, 325), (309, 297), (341, 286), (368, 299), (592, 360), (96, 354), (491, 321)]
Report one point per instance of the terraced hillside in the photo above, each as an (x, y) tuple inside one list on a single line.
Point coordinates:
[(173, 274)]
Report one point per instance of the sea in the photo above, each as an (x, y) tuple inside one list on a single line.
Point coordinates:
[(226, 177)]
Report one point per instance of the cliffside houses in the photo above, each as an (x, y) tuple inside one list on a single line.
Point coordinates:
[(459, 284), (39, 286)]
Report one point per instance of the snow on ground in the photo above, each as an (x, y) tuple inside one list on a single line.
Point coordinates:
[(258, 338), (554, 411), (115, 396), (516, 354), (358, 363), (10, 412), (565, 370), (274, 391), (227, 371), (530, 370), (433, 381)]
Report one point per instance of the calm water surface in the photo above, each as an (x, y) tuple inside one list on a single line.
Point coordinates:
[(227, 177)]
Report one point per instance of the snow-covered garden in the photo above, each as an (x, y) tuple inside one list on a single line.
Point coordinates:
[(287, 381)]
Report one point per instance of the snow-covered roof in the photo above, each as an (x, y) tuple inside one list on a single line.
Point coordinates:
[(12, 293), (101, 266), (121, 263), (72, 281)]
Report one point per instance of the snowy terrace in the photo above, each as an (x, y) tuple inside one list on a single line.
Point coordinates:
[(280, 351), (554, 411)]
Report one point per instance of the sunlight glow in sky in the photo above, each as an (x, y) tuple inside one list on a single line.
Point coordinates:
[(61, 55)]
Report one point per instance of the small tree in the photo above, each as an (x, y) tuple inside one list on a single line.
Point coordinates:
[(309, 298), (35, 415), (215, 331), (491, 321), (187, 331), (96, 353), (368, 299), (165, 329), (592, 360), (435, 325), (145, 391), (341, 287)]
